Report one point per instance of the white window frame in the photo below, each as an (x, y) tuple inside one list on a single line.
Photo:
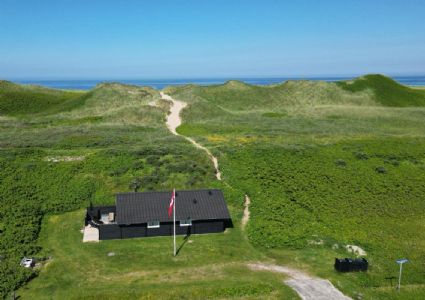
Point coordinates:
[(153, 224), (186, 223)]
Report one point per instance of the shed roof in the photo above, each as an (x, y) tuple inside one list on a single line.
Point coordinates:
[(137, 208)]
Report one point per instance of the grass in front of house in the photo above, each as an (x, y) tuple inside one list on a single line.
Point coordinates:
[(211, 266)]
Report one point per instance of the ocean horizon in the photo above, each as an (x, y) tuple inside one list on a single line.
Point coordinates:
[(87, 84)]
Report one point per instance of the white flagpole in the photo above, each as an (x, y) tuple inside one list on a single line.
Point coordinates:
[(174, 220)]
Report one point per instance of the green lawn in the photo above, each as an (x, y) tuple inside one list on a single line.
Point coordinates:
[(209, 266)]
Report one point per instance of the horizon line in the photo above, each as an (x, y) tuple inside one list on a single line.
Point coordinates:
[(129, 78)]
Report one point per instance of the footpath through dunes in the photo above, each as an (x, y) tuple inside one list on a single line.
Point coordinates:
[(306, 286), (174, 121)]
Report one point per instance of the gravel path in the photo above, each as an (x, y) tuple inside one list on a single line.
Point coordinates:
[(174, 121), (307, 287)]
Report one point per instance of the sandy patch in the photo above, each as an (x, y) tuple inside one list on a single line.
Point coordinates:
[(316, 242), (64, 158), (355, 250), (307, 287), (91, 234), (245, 217)]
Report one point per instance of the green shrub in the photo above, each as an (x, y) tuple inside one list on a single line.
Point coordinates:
[(381, 170)]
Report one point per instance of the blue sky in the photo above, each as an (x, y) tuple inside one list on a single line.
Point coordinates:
[(58, 39)]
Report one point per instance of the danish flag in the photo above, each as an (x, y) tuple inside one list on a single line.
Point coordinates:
[(170, 208)]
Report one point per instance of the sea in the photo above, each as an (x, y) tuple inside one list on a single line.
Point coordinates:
[(162, 83)]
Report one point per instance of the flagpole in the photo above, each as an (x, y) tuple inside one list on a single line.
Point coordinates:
[(174, 220)]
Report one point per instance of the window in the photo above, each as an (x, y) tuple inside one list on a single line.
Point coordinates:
[(153, 224), (187, 222)]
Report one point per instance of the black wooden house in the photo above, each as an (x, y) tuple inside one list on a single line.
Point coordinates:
[(146, 214)]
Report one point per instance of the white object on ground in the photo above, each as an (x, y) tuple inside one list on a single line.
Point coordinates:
[(64, 158), (27, 262), (356, 250), (174, 121), (245, 217), (91, 234), (307, 287)]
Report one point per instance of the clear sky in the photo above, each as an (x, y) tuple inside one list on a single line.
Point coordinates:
[(56, 39)]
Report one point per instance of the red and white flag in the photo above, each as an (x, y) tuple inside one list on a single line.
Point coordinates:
[(170, 208)]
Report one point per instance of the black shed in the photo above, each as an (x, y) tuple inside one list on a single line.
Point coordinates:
[(146, 214), (351, 264)]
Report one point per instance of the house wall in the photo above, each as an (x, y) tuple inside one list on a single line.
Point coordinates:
[(109, 232), (128, 232), (113, 231), (208, 226)]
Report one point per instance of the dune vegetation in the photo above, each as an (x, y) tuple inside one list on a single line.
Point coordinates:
[(325, 165), (52, 163)]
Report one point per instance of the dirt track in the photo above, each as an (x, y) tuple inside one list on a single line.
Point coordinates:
[(174, 121), (307, 287)]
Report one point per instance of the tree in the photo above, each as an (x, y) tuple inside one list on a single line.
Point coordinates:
[(135, 184)]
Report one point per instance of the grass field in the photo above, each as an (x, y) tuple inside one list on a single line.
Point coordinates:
[(336, 164), (207, 267), (325, 165), (53, 163)]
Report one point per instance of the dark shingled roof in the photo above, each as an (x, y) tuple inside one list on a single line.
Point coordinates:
[(137, 208)]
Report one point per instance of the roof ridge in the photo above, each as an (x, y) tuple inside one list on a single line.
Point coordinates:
[(157, 192)]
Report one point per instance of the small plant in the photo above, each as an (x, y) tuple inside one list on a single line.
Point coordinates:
[(119, 171), (138, 165), (135, 184), (341, 163), (392, 161), (381, 170), (362, 156)]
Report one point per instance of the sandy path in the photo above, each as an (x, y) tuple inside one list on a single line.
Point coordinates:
[(174, 121), (245, 217), (307, 287)]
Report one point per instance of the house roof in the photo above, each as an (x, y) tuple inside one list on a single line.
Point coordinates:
[(137, 208)]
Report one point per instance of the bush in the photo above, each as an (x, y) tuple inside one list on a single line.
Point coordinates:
[(381, 170), (138, 165), (341, 163), (362, 156), (119, 171)]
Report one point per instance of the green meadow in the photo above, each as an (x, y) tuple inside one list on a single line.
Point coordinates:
[(84, 149), (325, 165)]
